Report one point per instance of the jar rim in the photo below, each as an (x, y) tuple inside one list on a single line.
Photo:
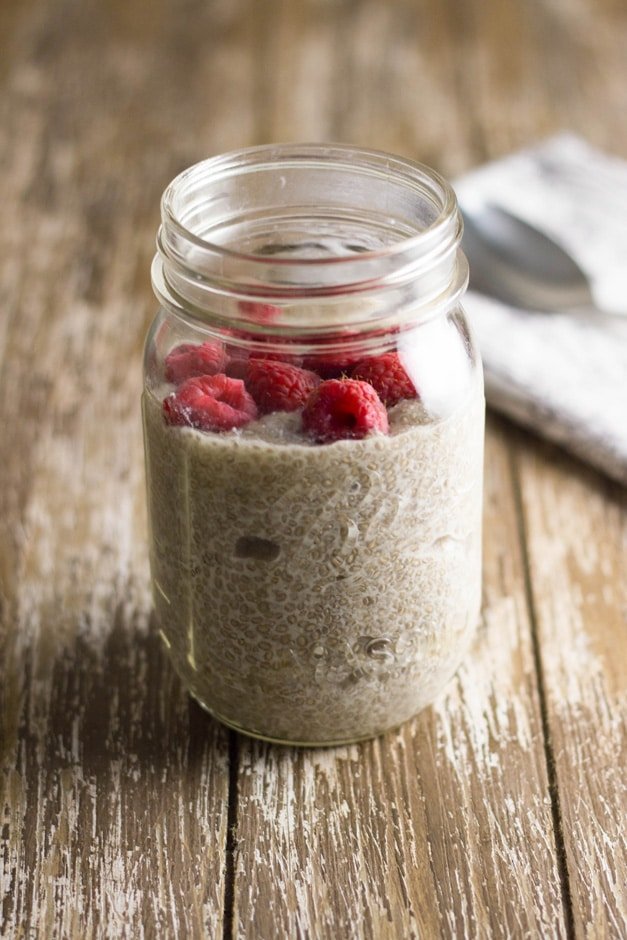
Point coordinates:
[(418, 176), (331, 192)]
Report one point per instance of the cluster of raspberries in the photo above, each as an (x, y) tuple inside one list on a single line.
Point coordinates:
[(218, 390)]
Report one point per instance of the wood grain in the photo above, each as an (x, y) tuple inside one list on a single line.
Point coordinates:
[(577, 564), (113, 786), (125, 811), (573, 521)]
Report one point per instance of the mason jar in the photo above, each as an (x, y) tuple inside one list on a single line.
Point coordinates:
[(313, 418)]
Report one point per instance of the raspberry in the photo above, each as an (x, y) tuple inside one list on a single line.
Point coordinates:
[(237, 366), (278, 386), (387, 377), (344, 408), (329, 365), (262, 313), (190, 359), (238, 355), (291, 358), (210, 403)]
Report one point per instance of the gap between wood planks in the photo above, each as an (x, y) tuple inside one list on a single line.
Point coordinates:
[(231, 826), (556, 813)]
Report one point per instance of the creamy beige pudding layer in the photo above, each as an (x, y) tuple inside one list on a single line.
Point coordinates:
[(317, 594)]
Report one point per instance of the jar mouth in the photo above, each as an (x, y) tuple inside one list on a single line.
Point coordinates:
[(414, 175), (288, 224)]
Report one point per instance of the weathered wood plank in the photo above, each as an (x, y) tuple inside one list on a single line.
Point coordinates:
[(573, 75), (577, 542), (113, 787)]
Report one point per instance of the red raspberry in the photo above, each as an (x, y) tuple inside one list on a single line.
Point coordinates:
[(333, 363), (291, 358), (210, 403), (387, 377), (262, 313), (330, 365), (278, 386), (190, 359), (344, 408), (237, 366)]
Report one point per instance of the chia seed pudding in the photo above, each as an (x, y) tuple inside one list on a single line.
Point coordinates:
[(317, 593)]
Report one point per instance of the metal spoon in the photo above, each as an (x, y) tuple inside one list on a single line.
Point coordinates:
[(517, 263)]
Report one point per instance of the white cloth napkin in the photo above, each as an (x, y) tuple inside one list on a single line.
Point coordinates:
[(563, 374)]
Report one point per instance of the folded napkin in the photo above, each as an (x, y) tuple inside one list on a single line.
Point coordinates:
[(562, 374)]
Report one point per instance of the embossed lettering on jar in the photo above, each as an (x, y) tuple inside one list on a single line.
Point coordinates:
[(313, 418)]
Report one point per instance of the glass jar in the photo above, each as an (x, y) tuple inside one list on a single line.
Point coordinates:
[(313, 417)]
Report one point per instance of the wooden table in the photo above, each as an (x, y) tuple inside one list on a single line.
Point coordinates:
[(126, 812)]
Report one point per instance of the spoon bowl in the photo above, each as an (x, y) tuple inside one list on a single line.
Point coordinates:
[(517, 263)]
